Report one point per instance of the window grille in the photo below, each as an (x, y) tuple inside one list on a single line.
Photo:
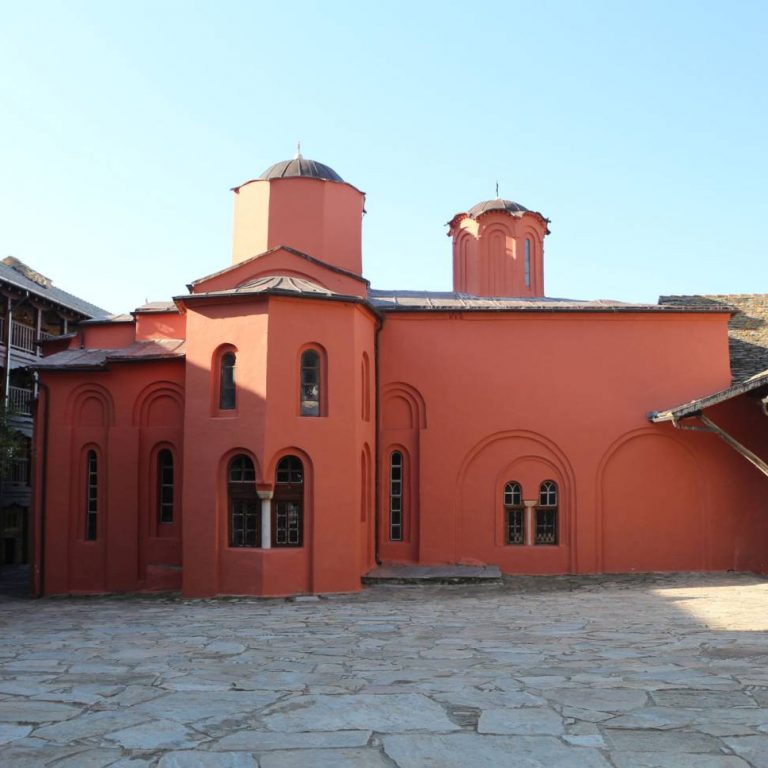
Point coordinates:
[(546, 514), (288, 503), (244, 506), (165, 486), (514, 512), (91, 496), (396, 496)]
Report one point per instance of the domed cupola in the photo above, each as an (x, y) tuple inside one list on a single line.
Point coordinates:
[(496, 205), (302, 204), (498, 250), (300, 166)]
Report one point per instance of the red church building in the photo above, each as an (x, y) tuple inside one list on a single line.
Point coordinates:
[(282, 427)]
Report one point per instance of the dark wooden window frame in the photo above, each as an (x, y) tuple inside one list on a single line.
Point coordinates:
[(288, 504), (397, 495), (166, 490), (227, 382), (514, 514), (311, 383), (91, 495), (547, 523), (244, 506)]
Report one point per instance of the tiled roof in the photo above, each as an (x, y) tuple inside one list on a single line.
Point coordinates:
[(747, 329), (410, 301), (287, 249), (283, 284), (139, 351), (300, 166), (157, 306), (15, 275)]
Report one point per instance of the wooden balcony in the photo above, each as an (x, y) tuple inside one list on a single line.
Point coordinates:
[(20, 401)]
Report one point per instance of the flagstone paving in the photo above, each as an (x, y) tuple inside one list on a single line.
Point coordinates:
[(659, 671)]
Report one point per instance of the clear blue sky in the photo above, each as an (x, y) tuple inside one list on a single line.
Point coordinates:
[(639, 129)]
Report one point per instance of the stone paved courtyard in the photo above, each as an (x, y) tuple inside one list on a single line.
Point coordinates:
[(629, 672)]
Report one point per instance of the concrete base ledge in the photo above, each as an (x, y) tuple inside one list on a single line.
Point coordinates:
[(437, 574)]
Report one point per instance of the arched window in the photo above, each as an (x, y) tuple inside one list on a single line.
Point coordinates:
[(91, 496), (310, 383), (227, 390), (514, 512), (546, 514), (165, 486), (527, 262), (244, 507), (396, 485), (288, 503)]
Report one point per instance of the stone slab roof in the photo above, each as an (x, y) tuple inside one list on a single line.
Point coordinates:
[(747, 329)]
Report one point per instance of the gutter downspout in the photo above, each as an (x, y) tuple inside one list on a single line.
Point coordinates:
[(9, 336), (377, 446), (43, 486), (710, 426)]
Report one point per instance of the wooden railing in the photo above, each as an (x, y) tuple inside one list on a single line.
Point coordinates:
[(20, 401), (19, 471), (23, 337)]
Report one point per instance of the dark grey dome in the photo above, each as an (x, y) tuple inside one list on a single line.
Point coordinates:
[(300, 166), (496, 205)]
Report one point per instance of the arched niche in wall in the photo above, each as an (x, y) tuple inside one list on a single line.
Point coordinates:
[(161, 404), (477, 519), (652, 505), (403, 407), (404, 415), (158, 414), (89, 406)]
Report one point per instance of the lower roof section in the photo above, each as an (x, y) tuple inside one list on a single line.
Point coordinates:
[(90, 359), (695, 407)]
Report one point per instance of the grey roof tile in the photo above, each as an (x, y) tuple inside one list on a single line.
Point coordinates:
[(13, 276)]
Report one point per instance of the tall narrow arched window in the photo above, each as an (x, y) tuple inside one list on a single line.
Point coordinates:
[(227, 390), (310, 383), (244, 506), (165, 486), (546, 514), (396, 484), (288, 503), (514, 513), (527, 262), (91, 496)]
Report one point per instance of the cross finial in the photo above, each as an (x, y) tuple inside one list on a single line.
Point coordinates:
[(497, 189), (298, 149)]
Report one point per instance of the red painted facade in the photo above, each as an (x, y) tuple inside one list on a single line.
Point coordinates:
[(445, 430)]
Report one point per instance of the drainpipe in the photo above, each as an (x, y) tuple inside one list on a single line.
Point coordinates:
[(43, 463), (376, 457), (710, 426), (8, 337)]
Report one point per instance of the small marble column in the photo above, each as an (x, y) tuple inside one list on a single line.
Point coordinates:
[(266, 518), (529, 521)]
